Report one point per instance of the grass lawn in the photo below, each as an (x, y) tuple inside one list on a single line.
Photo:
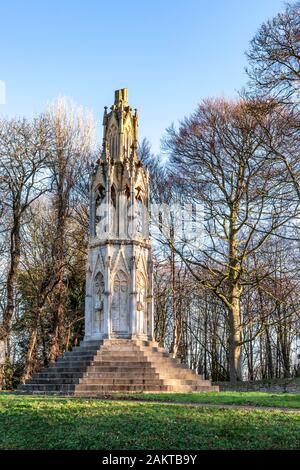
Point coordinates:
[(281, 400), (28, 422)]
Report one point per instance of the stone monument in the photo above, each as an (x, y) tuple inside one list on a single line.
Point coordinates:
[(119, 301), (118, 352)]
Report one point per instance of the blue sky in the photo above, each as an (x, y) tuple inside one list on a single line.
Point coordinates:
[(169, 53)]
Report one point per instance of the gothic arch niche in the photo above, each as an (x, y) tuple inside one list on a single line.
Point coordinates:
[(127, 142), (113, 141), (141, 304), (100, 211), (139, 211), (114, 215), (125, 211), (127, 192), (119, 307), (98, 296), (139, 218)]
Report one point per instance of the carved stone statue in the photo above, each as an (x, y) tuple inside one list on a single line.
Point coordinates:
[(139, 216), (98, 301), (141, 303), (100, 210), (119, 312)]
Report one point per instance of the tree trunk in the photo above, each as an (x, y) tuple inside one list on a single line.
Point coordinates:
[(176, 319), (59, 258), (235, 328), (235, 348), (270, 367), (58, 333), (29, 364), (15, 249)]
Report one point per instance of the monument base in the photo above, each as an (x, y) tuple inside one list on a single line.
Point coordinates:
[(99, 367)]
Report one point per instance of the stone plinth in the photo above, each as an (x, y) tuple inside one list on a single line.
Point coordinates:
[(96, 368)]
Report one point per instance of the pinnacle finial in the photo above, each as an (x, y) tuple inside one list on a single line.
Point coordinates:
[(121, 95)]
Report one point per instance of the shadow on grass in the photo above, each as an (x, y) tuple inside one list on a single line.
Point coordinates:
[(283, 400), (61, 423)]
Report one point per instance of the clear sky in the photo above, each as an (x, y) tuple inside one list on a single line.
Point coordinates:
[(168, 53)]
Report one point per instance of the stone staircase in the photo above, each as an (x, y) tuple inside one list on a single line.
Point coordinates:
[(96, 368)]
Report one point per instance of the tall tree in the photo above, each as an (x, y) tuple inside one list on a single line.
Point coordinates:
[(22, 162), (274, 73), (69, 158), (274, 56), (218, 157)]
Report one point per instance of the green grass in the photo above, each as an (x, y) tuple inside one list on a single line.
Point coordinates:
[(281, 400), (73, 423)]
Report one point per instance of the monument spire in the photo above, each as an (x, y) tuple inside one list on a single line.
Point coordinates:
[(119, 275), (120, 128)]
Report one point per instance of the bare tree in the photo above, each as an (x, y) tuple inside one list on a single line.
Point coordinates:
[(219, 157), (274, 56), (69, 158), (22, 181)]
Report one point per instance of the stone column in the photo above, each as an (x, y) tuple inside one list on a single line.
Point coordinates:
[(108, 198), (118, 212), (132, 222), (150, 299), (107, 295), (147, 207), (121, 135), (92, 224), (150, 331), (88, 304), (122, 214), (133, 293)]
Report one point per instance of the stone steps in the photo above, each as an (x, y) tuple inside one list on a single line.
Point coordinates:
[(96, 368), (122, 376), (53, 381), (124, 380), (49, 387), (127, 367), (69, 370), (113, 380), (77, 357), (171, 369), (54, 375), (71, 365), (104, 391), (119, 359), (62, 393), (89, 391), (132, 373)]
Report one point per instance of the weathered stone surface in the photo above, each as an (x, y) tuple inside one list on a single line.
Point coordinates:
[(115, 366), (119, 301)]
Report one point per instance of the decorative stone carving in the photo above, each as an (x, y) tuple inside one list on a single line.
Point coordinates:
[(141, 304), (139, 216), (98, 302), (117, 291), (119, 306), (100, 211)]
